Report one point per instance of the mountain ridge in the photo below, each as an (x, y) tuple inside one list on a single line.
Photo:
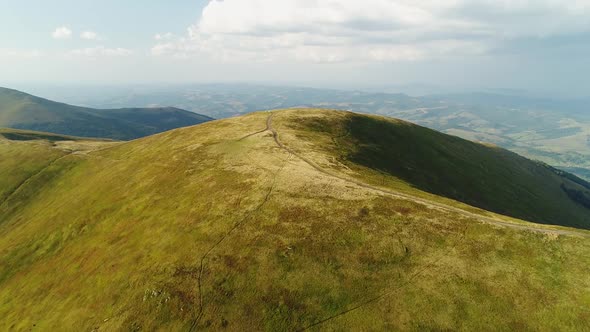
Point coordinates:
[(397, 194), (20, 110)]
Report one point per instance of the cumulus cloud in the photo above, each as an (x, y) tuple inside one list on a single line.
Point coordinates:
[(100, 51), (62, 32), (369, 30), (90, 35)]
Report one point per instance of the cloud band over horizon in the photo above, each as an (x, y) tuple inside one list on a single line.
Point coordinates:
[(371, 30)]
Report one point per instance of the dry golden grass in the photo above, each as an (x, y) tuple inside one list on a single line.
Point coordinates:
[(198, 228)]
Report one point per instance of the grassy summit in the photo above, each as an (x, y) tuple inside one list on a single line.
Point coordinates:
[(23, 111), (487, 177), (258, 223)]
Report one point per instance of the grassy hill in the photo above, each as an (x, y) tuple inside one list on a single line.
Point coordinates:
[(549, 129), (26, 153), (23, 111), (487, 177), (282, 223)]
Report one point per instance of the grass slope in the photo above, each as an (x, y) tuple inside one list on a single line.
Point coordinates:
[(487, 177), (26, 154), (23, 111), (216, 227), (30, 135), (18, 163)]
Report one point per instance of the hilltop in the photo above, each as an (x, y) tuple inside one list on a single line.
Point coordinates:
[(494, 179), (23, 111), (549, 129), (291, 220)]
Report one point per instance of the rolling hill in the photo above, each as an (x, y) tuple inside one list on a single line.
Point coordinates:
[(290, 220), (23, 111), (26, 153), (480, 175), (549, 129)]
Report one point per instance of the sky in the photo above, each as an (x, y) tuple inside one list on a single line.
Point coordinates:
[(537, 45)]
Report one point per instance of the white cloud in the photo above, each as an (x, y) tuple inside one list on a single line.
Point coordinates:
[(164, 36), (19, 53), (368, 30), (62, 33), (170, 44), (90, 35), (100, 51)]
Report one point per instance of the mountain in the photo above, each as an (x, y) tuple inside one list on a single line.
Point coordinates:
[(555, 131), (484, 176), (298, 219), (23, 111)]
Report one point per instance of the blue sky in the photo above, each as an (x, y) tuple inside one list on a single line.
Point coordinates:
[(28, 24), (526, 44)]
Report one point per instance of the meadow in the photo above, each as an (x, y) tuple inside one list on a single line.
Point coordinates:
[(217, 227)]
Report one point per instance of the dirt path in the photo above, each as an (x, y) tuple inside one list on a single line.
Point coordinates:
[(242, 221), (430, 204), (425, 202)]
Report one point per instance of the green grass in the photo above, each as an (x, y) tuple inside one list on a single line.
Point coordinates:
[(487, 177), (19, 162), (114, 239)]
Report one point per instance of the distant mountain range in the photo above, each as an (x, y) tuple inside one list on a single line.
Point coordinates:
[(24, 111), (555, 131)]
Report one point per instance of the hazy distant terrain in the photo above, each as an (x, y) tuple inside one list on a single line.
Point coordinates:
[(554, 131)]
